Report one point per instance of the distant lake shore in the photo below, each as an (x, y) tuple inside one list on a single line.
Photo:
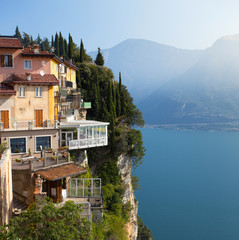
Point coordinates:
[(222, 126)]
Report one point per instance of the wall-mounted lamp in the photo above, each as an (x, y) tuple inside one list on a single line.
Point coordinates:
[(54, 135), (5, 139), (30, 137)]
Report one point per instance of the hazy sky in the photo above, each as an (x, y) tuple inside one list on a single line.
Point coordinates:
[(188, 24)]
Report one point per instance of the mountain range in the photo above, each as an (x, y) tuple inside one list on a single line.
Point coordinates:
[(180, 87)]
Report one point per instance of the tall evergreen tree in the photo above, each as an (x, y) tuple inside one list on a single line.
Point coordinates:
[(32, 42), (26, 41), (120, 83), (66, 48), (61, 46), (99, 58), (52, 41), (118, 102), (82, 52), (57, 47), (18, 34), (45, 45), (38, 40), (70, 47)]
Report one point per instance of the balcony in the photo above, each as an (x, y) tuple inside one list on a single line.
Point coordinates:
[(83, 134), (27, 125), (88, 143)]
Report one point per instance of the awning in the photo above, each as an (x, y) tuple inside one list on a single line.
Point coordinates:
[(60, 172)]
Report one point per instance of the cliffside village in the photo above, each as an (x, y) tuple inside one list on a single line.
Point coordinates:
[(42, 117)]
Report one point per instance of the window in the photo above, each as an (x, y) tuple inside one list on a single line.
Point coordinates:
[(52, 66), (38, 92), (18, 145), (6, 60), (44, 142), (21, 91), (28, 64)]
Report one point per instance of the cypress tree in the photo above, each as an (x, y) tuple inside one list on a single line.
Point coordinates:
[(66, 48), (99, 58), (57, 47), (118, 102), (32, 42), (114, 93), (18, 34), (38, 40), (120, 84), (61, 46), (26, 41), (52, 41), (70, 47), (82, 52)]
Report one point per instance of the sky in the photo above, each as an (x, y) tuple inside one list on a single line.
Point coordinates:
[(187, 24)]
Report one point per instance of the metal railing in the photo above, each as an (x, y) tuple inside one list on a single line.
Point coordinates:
[(28, 125), (87, 143)]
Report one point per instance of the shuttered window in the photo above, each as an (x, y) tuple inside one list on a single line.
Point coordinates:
[(6, 60)]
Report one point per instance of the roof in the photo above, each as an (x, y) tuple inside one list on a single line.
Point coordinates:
[(6, 90), (69, 64), (86, 123), (36, 79), (60, 172), (10, 42), (31, 53)]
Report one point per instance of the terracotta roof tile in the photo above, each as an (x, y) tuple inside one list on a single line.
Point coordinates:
[(36, 79), (6, 90), (10, 42), (60, 172), (30, 52)]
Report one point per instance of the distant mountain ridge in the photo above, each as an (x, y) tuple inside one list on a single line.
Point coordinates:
[(145, 65), (208, 92), (175, 86)]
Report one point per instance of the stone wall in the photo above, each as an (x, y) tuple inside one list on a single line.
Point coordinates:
[(6, 196), (124, 164)]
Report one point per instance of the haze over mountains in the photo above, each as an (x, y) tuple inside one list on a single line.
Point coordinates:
[(146, 65), (175, 86)]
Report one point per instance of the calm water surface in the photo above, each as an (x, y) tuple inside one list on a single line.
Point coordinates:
[(190, 185)]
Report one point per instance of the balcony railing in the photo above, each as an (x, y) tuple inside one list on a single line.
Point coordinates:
[(28, 125), (88, 143)]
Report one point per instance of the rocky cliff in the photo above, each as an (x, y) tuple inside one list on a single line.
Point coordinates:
[(124, 165)]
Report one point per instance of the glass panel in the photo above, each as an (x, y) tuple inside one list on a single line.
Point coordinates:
[(80, 187), (73, 187), (75, 135), (83, 133), (18, 145), (89, 132), (45, 142)]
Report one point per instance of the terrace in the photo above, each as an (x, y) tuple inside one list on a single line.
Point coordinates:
[(27, 125), (83, 134)]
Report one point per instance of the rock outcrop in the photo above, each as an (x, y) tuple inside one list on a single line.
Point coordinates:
[(124, 165)]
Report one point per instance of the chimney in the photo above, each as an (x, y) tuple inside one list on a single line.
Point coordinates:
[(28, 76), (36, 48)]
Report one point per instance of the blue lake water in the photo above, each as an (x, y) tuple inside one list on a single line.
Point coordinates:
[(190, 184)]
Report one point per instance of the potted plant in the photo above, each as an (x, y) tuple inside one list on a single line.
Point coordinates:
[(49, 150), (3, 147)]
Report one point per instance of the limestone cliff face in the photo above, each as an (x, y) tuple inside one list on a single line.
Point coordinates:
[(124, 164)]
